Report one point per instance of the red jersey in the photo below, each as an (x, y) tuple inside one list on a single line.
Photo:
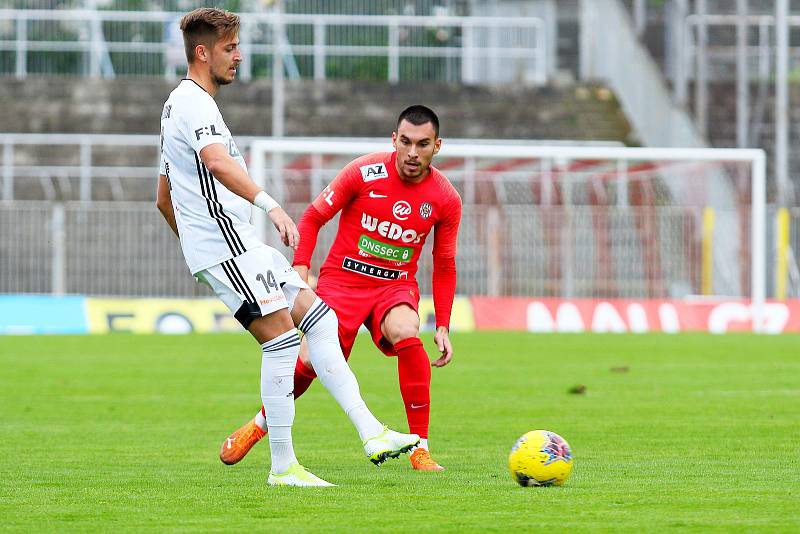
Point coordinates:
[(383, 225)]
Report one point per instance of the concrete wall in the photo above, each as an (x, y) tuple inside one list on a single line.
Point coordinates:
[(39, 105)]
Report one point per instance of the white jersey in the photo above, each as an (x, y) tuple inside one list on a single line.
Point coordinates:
[(213, 223)]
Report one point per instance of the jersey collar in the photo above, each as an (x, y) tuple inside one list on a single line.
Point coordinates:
[(194, 82)]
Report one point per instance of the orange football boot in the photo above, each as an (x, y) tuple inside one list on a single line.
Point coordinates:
[(238, 444), (421, 461)]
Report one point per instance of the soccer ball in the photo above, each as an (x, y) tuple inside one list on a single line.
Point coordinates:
[(540, 458)]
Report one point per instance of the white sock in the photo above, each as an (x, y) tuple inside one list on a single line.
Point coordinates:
[(423, 443), (261, 421), (320, 326), (277, 393)]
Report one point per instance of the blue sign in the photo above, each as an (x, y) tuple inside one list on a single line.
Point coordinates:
[(41, 314)]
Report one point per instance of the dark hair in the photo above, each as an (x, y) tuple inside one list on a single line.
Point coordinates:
[(419, 115), (206, 25)]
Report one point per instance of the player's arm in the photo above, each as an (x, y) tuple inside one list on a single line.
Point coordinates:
[(330, 201), (164, 203), (445, 240), (230, 174)]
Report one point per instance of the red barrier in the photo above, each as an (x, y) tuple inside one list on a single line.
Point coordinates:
[(627, 315)]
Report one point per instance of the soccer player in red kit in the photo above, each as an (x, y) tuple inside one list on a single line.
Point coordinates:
[(390, 202)]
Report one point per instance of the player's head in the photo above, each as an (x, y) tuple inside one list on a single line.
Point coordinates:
[(211, 39), (416, 140)]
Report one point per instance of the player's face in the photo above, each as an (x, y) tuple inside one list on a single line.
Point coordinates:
[(224, 60), (416, 146)]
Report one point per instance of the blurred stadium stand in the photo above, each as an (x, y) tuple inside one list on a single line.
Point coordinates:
[(76, 77)]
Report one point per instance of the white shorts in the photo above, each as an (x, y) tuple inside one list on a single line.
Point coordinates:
[(254, 284)]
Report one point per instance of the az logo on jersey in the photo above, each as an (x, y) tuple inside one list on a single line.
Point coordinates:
[(401, 210), (376, 171)]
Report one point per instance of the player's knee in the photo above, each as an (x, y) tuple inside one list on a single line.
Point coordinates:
[(399, 331), (329, 323), (320, 322)]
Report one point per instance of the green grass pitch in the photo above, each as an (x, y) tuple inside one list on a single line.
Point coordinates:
[(686, 432)]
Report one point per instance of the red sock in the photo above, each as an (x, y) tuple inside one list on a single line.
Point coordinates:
[(414, 372), (303, 376)]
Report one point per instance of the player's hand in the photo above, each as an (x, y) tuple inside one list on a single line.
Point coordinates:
[(442, 340), (302, 270), (285, 227)]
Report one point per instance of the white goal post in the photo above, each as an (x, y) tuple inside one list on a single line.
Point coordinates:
[(677, 176)]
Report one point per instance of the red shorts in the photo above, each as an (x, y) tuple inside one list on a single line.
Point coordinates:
[(355, 306)]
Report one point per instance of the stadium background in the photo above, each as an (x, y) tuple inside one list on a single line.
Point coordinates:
[(82, 81), (670, 432)]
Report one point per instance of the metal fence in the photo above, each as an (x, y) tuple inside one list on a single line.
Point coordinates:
[(69, 167), (64, 167), (126, 249), (599, 229), (471, 50)]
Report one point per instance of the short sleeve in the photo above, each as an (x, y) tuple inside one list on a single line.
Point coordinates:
[(202, 125)]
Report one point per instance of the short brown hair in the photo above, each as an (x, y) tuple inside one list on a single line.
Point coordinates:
[(206, 25)]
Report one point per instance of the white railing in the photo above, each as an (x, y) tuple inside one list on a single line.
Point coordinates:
[(69, 163), (723, 49), (73, 166), (471, 50)]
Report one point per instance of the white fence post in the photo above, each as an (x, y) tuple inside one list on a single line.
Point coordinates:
[(758, 290), (246, 67), (394, 52), (467, 53), (701, 72), (257, 169), (22, 46), (681, 38), (8, 171), (58, 250), (742, 76), (542, 68), (469, 180), (94, 46), (86, 170), (319, 49), (494, 250)]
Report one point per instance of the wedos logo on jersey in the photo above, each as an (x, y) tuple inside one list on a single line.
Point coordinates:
[(375, 171), (390, 230), (401, 210)]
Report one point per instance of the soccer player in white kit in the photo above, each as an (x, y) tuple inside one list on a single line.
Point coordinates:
[(206, 196)]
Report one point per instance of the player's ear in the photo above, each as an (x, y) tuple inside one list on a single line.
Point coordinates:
[(200, 52), (437, 145), (394, 139)]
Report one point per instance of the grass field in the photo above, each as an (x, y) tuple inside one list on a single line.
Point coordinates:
[(122, 433)]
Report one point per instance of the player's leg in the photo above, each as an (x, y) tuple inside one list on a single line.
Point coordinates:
[(319, 323), (280, 345), (238, 444), (400, 328), (255, 429), (262, 310)]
